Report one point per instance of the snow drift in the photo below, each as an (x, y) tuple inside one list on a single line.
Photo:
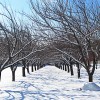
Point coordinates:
[(91, 86)]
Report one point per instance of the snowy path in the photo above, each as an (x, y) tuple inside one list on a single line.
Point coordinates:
[(48, 83)]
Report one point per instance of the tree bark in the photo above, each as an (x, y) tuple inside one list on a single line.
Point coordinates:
[(23, 68), (28, 70), (71, 69), (32, 68), (68, 68), (78, 70), (13, 75), (27, 67), (35, 68), (78, 73), (96, 67), (0, 75), (23, 72), (65, 68), (90, 78)]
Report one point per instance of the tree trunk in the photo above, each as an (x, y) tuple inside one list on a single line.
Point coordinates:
[(96, 67), (78, 70), (32, 68), (71, 69), (28, 70), (62, 67), (68, 69), (27, 67), (41, 66), (23, 68), (35, 68), (38, 67), (13, 75), (0, 75), (90, 78), (23, 72), (65, 68), (78, 73)]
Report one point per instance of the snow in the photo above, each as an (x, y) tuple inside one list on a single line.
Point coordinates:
[(91, 86), (49, 83)]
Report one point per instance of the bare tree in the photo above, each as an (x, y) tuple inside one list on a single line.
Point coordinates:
[(77, 23), (17, 42)]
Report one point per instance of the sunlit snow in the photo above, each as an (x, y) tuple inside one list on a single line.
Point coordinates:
[(48, 83)]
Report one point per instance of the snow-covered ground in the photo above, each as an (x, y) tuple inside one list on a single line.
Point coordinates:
[(48, 83)]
